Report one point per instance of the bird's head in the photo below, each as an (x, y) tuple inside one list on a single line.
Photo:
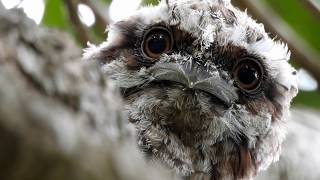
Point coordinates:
[(202, 76)]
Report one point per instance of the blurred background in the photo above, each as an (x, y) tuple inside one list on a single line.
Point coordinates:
[(297, 22)]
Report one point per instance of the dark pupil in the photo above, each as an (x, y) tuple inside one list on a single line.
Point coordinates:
[(247, 74), (157, 43)]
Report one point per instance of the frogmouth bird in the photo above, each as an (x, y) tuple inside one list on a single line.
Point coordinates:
[(206, 88)]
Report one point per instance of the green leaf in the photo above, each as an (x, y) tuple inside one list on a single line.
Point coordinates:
[(307, 25), (153, 2), (107, 1), (299, 16), (55, 15), (311, 99)]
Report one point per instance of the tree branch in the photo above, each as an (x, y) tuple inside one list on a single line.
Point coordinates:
[(303, 54), (313, 6), (81, 30), (59, 116)]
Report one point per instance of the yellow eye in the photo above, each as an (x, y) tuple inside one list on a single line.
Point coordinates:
[(248, 74), (157, 41)]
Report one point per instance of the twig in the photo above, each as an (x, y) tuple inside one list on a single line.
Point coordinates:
[(101, 20), (83, 33), (313, 6), (305, 55)]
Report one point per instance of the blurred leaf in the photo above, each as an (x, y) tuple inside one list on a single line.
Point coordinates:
[(55, 15), (98, 35), (153, 2), (107, 1), (311, 99), (300, 18), (295, 13)]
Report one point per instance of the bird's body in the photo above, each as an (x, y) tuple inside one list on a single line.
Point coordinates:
[(205, 87)]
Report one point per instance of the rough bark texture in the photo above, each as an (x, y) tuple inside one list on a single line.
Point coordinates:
[(56, 111)]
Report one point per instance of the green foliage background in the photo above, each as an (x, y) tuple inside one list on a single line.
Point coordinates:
[(307, 25), (294, 12)]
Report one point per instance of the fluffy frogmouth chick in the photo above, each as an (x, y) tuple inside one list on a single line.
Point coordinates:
[(206, 88)]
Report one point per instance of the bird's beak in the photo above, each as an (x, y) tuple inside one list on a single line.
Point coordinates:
[(195, 78)]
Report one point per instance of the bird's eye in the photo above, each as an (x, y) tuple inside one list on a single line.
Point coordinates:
[(157, 41), (248, 74)]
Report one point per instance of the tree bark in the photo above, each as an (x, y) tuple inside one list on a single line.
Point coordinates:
[(60, 118)]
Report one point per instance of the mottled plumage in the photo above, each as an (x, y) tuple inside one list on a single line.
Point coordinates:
[(206, 88)]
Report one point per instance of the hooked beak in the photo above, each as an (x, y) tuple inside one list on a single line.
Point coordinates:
[(195, 78)]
